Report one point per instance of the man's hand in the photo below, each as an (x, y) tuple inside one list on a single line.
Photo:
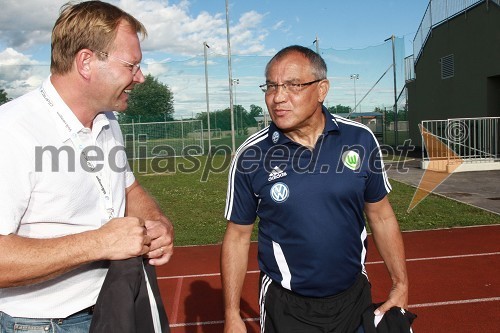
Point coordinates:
[(397, 297), (162, 240), (158, 226), (389, 242), (123, 238), (234, 324)]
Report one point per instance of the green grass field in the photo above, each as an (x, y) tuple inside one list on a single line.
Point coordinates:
[(194, 199)]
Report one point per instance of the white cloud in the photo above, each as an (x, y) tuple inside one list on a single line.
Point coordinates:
[(174, 30), (28, 23), (278, 25), (25, 28), (19, 73)]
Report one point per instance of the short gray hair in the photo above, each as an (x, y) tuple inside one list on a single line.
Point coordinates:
[(318, 65)]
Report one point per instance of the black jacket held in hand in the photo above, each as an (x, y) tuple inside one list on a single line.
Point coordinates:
[(123, 303), (396, 320)]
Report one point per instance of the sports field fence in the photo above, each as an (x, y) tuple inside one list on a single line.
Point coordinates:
[(164, 139)]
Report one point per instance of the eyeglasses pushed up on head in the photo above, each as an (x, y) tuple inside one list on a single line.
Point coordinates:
[(271, 88), (134, 68)]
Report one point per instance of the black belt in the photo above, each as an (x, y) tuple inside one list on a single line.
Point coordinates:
[(89, 311)]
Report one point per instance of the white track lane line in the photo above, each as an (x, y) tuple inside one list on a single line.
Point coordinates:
[(367, 263), (423, 305)]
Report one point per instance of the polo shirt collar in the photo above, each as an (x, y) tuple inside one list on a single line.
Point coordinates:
[(67, 122), (278, 138), (331, 124), (100, 121)]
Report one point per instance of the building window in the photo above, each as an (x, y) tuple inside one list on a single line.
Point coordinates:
[(447, 66)]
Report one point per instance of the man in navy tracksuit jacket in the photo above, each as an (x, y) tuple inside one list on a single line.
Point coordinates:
[(309, 177)]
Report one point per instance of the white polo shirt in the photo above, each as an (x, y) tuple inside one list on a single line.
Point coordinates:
[(46, 191)]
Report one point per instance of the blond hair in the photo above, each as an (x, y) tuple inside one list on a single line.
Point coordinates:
[(88, 25)]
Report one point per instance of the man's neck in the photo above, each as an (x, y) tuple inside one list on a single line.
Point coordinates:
[(308, 135), (70, 94)]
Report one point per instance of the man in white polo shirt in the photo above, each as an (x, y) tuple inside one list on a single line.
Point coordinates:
[(68, 200)]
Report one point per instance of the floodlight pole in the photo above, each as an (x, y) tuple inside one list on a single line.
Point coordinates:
[(205, 46), (230, 70), (355, 77), (236, 81), (316, 41), (392, 38)]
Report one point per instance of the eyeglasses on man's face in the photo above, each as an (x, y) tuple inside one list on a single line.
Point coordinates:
[(294, 88), (134, 68)]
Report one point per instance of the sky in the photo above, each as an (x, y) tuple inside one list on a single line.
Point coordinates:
[(177, 30)]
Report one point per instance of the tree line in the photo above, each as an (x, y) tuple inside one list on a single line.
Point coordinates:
[(221, 119), (153, 101)]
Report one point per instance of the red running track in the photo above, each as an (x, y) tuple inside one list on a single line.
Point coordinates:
[(454, 283)]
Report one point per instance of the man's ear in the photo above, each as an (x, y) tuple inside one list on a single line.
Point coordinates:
[(83, 60), (324, 87)]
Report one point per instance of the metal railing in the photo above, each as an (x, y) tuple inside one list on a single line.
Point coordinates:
[(467, 139), (437, 12)]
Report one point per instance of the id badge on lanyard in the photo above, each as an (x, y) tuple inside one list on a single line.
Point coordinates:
[(102, 182)]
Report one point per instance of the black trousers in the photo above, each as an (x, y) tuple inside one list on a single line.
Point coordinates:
[(283, 311)]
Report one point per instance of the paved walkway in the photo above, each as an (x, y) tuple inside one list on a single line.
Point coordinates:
[(477, 188)]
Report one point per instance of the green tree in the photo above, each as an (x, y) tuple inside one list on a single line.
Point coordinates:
[(403, 113), (255, 111), (240, 119), (339, 109), (243, 119), (389, 115), (223, 117), (3, 97), (149, 102)]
